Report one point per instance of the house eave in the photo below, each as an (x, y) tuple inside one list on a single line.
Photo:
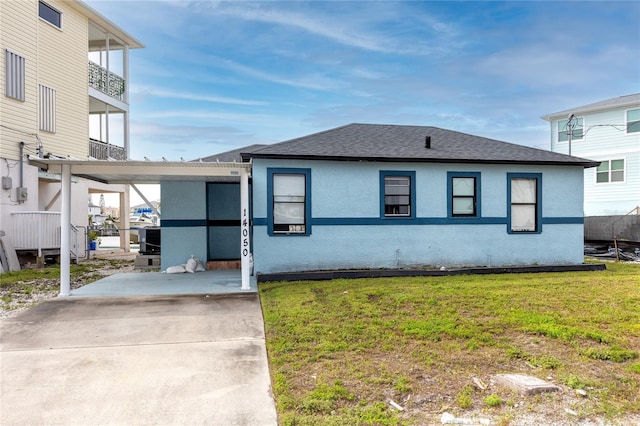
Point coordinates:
[(624, 102), (106, 24), (581, 162)]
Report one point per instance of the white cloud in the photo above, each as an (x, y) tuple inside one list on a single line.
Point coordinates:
[(315, 81), (172, 94)]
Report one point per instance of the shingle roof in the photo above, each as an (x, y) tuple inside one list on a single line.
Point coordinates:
[(396, 143), (230, 156), (619, 102)]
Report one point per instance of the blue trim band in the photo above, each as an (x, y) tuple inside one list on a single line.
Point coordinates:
[(354, 221), (182, 223), (563, 220)]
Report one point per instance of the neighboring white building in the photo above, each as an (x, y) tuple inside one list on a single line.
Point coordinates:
[(607, 131), (64, 75)]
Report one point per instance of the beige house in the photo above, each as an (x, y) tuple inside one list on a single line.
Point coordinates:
[(65, 80)]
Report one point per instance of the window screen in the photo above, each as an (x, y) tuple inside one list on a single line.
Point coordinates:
[(397, 196), (289, 203), (524, 205)]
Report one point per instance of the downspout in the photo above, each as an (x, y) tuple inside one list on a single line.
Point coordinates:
[(21, 164)]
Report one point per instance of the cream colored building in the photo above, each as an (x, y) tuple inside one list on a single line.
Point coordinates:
[(65, 79)]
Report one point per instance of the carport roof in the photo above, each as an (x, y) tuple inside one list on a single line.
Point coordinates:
[(141, 172)]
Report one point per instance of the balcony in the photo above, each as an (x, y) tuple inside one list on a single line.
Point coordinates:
[(106, 82), (104, 151)]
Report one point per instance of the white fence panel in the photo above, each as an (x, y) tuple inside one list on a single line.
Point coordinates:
[(36, 230)]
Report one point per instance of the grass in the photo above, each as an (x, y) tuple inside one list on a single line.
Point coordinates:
[(340, 350)]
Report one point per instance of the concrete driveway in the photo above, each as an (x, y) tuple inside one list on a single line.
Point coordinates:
[(148, 360)]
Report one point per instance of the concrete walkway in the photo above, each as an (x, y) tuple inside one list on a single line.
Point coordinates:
[(141, 283), (143, 360)]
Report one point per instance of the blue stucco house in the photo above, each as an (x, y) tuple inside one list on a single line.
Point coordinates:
[(382, 196)]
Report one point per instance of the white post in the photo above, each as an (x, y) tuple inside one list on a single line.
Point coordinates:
[(125, 225), (125, 72), (245, 245), (65, 233)]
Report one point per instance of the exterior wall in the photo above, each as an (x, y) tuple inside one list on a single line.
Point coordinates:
[(223, 215), (200, 219), (183, 226), (18, 33), (606, 139), (62, 65), (56, 58), (348, 232)]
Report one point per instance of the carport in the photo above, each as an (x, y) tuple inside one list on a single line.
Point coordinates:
[(144, 172)]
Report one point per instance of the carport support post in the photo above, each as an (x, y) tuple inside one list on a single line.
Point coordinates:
[(245, 242), (65, 232)]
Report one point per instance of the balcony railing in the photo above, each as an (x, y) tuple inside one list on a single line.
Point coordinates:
[(106, 82), (104, 151)]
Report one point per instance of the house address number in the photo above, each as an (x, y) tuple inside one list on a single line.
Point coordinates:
[(245, 233)]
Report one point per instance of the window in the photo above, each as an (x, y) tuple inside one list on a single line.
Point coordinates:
[(523, 195), (288, 191), (633, 121), (397, 194), (463, 190), (49, 14), (610, 171), (563, 129), (47, 109)]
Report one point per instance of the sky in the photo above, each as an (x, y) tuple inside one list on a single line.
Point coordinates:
[(216, 76)]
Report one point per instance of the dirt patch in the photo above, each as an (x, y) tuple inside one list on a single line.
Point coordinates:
[(24, 289)]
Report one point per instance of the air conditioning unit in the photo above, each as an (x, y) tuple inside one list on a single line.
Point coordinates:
[(149, 239)]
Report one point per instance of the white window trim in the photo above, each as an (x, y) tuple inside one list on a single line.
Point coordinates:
[(626, 122), (59, 28), (609, 182)]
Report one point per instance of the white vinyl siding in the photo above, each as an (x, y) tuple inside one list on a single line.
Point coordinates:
[(18, 34), (609, 135), (14, 75), (63, 65), (47, 102)]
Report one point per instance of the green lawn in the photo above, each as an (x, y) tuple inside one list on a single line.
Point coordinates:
[(341, 350)]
